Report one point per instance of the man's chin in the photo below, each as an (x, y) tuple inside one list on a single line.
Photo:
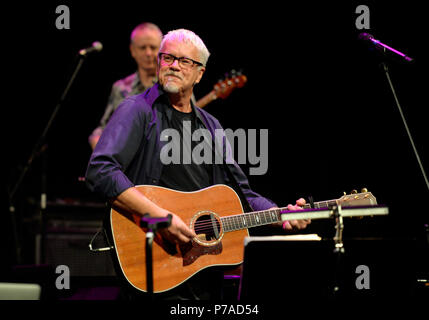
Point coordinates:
[(170, 88)]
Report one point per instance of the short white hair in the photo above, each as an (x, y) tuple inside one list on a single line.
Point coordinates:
[(190, 37)]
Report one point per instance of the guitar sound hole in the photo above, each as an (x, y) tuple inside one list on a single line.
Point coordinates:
[(207, 227)]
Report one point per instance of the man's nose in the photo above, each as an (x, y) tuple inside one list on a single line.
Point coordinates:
[(175, 64), (149, 52)]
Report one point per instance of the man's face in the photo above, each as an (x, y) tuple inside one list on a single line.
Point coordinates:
[(175, 78), (144, 49)]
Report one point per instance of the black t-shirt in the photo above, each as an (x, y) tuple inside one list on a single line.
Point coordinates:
[(185, 175), (190, 177)]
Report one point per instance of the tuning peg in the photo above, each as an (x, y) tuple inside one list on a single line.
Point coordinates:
[(344, 193), (364, 190), (353, 192)]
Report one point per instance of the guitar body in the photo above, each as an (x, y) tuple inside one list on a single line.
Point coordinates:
[(174, 264)]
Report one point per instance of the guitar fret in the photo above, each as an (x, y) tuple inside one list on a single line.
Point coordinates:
[(232, 223), (274, 216), (248, 222), (239, 222), (266, 217), (254, 219), (270, 214), (224, 225), (264, 214), (261, 217), (226, 222)]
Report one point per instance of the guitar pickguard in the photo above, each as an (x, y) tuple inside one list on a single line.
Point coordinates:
[(191, 251)]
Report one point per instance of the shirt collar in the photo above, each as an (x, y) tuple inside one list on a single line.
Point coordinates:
[(157, 94), (137, 85)]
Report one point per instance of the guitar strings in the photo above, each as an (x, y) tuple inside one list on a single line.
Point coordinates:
[(208, 224)]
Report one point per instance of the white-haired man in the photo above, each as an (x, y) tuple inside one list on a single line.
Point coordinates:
[(129, 150)]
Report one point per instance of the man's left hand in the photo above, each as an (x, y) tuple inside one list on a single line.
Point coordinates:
[(296, 224)]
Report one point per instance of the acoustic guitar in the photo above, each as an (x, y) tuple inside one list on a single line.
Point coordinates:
[(215, 214)]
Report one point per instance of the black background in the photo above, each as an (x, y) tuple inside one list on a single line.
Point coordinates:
[(332, 120)]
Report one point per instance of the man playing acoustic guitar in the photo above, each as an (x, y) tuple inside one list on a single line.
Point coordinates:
[(128, 154)]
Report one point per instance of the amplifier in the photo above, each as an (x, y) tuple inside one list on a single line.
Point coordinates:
[(68, 230)]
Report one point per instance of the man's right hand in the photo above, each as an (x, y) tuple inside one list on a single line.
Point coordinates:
[(178, 231), (131, 200)]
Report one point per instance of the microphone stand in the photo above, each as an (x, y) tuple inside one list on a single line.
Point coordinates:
[(379, 45), (386, 71), (152, 224), (38, 149)]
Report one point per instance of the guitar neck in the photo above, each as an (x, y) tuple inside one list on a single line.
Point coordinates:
[(264, 217), (201, 103)]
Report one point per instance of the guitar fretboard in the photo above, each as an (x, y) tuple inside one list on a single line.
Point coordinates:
[(321, 204), (264, 217), (249, 220)]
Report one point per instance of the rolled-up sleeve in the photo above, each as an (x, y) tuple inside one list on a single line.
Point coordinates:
[(115, 150)]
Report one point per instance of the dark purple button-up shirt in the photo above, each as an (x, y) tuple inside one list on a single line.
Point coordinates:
[(128, 152)]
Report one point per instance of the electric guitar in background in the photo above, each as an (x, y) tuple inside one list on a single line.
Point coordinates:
[(223, 88), (215, 214)]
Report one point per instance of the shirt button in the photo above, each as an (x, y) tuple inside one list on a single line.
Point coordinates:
[(154, 180)]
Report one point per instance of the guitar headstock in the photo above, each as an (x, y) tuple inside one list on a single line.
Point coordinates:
[(364, 198), (231, 81)]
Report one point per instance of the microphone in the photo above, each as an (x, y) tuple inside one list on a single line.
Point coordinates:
[(378, 43), (96, 46), (365, 36)]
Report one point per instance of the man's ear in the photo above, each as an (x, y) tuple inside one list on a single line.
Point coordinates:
[(131, 50), (200, 75)]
